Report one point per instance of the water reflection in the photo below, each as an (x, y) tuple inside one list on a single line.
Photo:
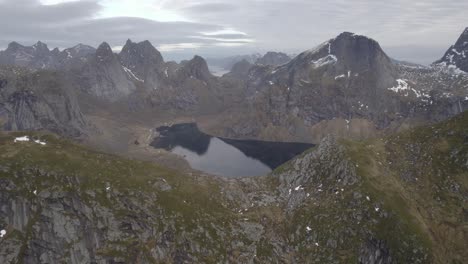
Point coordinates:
[(226, 157)]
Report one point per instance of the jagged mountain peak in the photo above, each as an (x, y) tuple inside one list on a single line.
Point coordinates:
[(347, 52), (466, 31), (241, 69), (134, 55), (80, 47), (456, 57), (40, 44), (55, 51), (198, 68), (273, 58), (12, 46), (104, 47), (78, 51), (104, 51), (463, 39), (198, 59)]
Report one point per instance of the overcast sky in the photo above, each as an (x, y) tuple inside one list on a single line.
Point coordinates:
[(417, 30)]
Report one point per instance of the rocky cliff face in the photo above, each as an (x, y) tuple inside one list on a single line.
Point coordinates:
[(338, 203), (38, 101)]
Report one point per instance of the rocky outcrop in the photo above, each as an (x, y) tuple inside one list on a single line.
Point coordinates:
[(375, 252), (307, 170)]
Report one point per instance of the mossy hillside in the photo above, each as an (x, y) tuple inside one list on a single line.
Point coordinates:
[(415, 182), (337, 221), (97, 171), (189, 204), (420, 175), (401, 228)]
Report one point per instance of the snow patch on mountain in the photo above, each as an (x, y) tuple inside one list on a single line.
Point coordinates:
[(404, 89), (329, 59), (131, 74), (340, 76)]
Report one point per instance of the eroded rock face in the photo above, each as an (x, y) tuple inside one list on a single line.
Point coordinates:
[(375, 252)]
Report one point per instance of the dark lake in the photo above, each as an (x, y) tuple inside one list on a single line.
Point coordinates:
[(225, 157)]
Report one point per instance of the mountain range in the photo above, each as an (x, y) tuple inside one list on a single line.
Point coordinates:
[(386, 183)]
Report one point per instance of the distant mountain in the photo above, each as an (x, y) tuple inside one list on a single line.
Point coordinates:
[(142, 61), (104, 77), (274, 59), (241, 69), (39, 56), (346, 86), (456, 57), (226, 63), (36, 56), (270, 58), (70, 57)]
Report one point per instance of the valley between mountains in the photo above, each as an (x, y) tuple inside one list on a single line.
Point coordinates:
[(386, 181)]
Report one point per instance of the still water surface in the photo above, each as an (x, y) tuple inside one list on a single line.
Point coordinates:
[(225, 157)]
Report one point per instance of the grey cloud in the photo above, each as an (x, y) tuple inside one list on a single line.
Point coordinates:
[(64, 25), (227, 36), (210, 7), (280, 25), (24, 11), (302, 24)]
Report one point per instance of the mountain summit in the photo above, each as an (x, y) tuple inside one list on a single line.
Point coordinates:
[(140, 56), (457, 55), (348, 53)]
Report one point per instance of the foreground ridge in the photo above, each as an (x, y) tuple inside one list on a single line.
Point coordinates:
[(338, 202)]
